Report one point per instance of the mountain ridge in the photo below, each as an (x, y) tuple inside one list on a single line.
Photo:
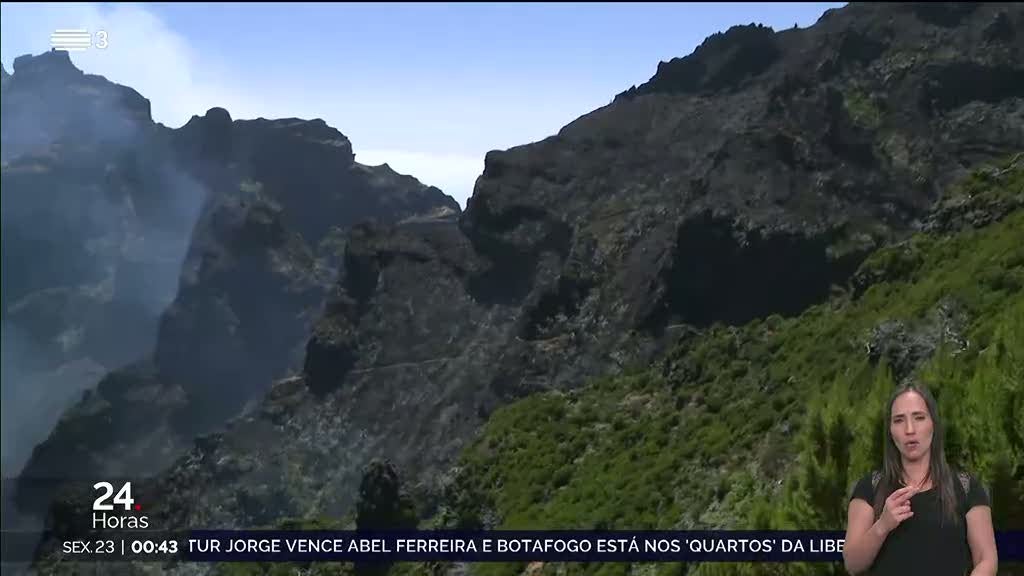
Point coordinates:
[(737, 196), (256, 247), (583, 254)]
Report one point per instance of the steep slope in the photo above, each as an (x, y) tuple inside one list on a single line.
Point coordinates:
[(768, 425), (96, 220), (722, 192), (263, 249)]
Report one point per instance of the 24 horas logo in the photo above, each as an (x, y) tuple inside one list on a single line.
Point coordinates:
[(104, 519)]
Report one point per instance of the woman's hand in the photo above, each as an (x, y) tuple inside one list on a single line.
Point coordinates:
[(897, 508)]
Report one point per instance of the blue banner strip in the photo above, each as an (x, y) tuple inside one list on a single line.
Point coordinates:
[(533, 545)]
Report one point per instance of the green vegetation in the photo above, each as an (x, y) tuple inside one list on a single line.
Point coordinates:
[(768, 425), (1002, 180), (861, 109)]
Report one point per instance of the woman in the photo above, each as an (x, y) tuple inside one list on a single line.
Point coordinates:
[(916, 516)]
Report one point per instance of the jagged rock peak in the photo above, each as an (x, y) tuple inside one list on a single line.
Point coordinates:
[(214, 117), (217, 115), (52, 81), (842, 40), (723, 60), (315, 131), (52, 63)]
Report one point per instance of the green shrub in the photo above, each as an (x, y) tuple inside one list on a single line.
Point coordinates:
[(768, 425)]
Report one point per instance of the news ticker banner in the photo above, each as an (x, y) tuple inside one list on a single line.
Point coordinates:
[(455, 546)]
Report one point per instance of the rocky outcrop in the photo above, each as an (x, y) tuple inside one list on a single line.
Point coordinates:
[(96, 221), (722, 62), (903, 348), (789, 170), (382, 503), (257, 255), (48, 102), (745, 180), (990, 194)]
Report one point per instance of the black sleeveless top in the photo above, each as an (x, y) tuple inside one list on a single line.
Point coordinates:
[(922, 544)]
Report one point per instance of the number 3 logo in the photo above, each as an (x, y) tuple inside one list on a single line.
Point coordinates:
[(101, 39)]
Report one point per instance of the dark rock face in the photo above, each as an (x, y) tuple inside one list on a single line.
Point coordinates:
[(389, 365), (720, 274), (257, 252), (945, 14), (969, 208), (721, 62), (126, 409), (903, 348), (96, 221), (383, 504), (745, 180), (47, 99), (242, 316)]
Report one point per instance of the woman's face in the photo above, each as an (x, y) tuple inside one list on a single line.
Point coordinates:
[(911, 425)]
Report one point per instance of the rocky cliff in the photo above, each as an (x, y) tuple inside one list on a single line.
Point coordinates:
[(749, 179), (96, 220), (258, 248), (703, 212)]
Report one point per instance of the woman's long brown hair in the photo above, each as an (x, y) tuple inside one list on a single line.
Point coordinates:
[(892, 463)]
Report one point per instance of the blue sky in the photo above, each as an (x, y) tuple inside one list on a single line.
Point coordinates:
[(427, 88)]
